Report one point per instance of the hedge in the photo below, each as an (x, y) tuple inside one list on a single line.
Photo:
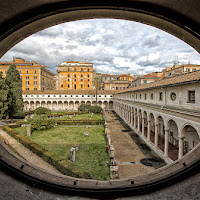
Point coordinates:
[(62, 165), (67, 113), (80, 122)]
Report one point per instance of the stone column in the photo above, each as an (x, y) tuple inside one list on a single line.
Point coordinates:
[(166, 143), (156, 135), (72, 154), (28, 130), (138, 123), (149, 130), (131, 118), (134, 120), (143, 126), (180, 149)]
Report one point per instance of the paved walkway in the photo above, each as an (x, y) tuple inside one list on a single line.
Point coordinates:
[(27, 154), (126, 150)]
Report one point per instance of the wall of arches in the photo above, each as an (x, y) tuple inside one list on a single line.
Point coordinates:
[(167, 134), (65, 105)]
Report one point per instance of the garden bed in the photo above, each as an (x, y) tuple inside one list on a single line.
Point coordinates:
[(54, 145)]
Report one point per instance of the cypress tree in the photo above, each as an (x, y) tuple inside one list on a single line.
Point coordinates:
[(3, 97), (15, 100)]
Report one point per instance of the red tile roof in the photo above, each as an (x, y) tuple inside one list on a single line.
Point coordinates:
[(181, 79), (82, 92)]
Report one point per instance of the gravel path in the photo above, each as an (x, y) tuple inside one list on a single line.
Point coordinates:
[(126, 150), (27, 154)]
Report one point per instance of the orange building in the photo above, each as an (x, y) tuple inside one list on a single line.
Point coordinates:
[(75, 75), (33, 75), (125, 77)]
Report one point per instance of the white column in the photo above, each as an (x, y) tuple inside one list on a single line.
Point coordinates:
[(131, 117), (135, 120), (143, 126), (166, 143), (149, 130), (138, 123), (156, 135), (180, 148)]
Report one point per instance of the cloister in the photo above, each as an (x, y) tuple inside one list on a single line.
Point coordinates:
[(180, 18), (168, 135), (65, 105)]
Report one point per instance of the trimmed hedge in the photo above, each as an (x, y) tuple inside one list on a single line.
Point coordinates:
[(62, 165), (80, 122), (67, 113)]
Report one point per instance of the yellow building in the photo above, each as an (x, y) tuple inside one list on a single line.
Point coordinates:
[(34, 76), (75, 75)]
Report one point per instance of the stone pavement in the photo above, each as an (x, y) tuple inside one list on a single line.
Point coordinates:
[(126, 150), (27, 154)]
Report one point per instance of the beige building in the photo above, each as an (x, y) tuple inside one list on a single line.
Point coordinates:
[(180, 69), (140, 80), (117, 85)]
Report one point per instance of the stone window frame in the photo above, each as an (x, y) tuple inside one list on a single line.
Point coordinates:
[(190, 98), (145, 96), (160, 96), (172, 95), (152, 96)]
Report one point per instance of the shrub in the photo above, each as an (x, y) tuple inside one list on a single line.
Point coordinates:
[(42, 110), (95, 109), (84, 107), (41, 123)]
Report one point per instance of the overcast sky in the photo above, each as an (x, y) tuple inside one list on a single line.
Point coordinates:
[(113, 46)]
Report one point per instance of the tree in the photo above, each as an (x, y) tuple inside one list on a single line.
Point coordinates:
[(42, 110), (15, 100), (3, 97), (97, 84)]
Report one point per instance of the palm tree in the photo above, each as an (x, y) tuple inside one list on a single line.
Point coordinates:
[(97, 84)]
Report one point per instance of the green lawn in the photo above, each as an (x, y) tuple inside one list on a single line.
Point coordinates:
[(91, 155), (82, 116)]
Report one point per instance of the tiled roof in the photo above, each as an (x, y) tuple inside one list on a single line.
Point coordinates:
[(82, 92), (181, 79)]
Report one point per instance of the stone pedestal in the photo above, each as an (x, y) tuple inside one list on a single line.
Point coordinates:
[(28, 130), (72, 154), (114, 172), (77, 147), (112, 155)]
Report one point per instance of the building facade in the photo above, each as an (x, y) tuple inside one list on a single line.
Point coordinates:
[(180, 69), (117, 85), (66, 99), (140, 80), (75, 75), (33, 75), (165, 114)]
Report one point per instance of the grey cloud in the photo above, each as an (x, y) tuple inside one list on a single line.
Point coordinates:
[(151, 42)]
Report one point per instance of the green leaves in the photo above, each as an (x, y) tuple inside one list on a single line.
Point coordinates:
[(42, 110), (14, 98), (41, 123), (3, 97)]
